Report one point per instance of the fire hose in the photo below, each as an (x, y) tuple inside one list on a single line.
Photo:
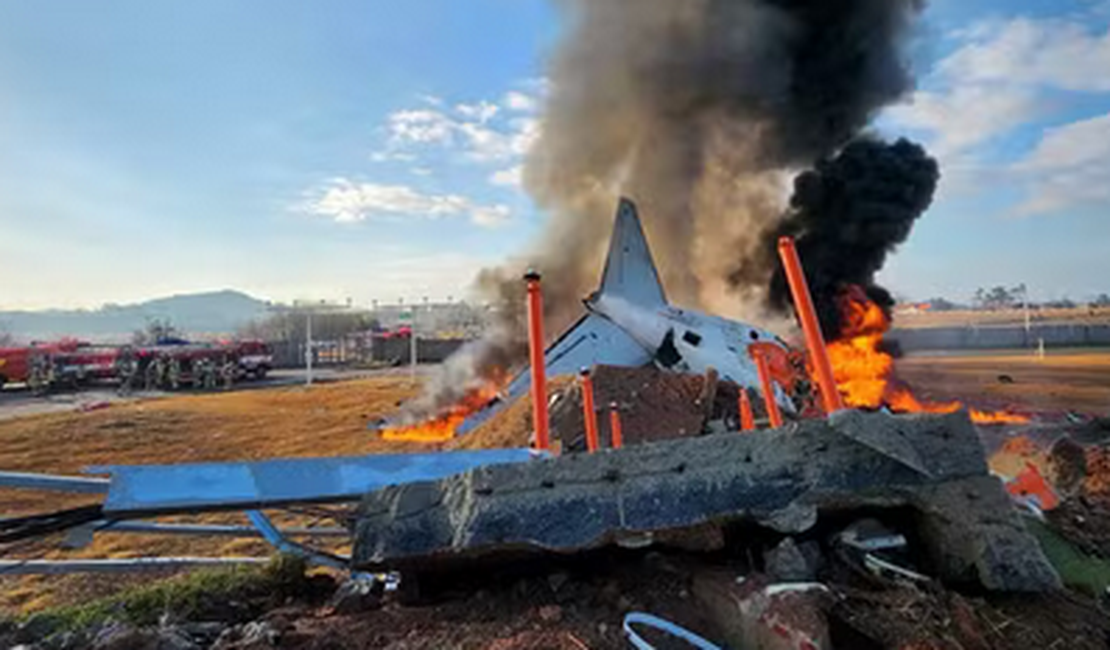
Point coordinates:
[(647, 620)]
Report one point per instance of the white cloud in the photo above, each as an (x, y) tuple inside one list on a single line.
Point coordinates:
[(346, 201), (518, 101), (1006, 75), (490, 216), (472, 132), (421, 127), (483, 111), (996, 80), (1072, 145), (1069, 168), (510, 177), (1056, 53), (391, 156), (967, 115)]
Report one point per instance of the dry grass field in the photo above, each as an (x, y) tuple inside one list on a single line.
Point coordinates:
[(326, 420), (1065, 380), (330, 420), (995, 318)]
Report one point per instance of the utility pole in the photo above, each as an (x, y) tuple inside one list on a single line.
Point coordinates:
[(308, 348), (309, 308), (1025, 307), (412, 345)]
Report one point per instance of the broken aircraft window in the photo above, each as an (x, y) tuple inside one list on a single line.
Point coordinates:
[(667, 355)]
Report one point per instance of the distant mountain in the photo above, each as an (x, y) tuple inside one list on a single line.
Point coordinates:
[(218, 312)]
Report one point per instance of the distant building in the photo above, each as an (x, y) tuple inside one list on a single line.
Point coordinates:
[(436, 320), (912, 308)]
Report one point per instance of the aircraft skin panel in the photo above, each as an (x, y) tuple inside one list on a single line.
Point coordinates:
[(594, 340)]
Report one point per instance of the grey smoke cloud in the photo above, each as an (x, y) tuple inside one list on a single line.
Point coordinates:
[(701, 111)]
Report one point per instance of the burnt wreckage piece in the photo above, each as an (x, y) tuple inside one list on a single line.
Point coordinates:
[(781, 479)]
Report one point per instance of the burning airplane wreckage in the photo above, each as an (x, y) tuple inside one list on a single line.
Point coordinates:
[(726, 443), (444, 517)]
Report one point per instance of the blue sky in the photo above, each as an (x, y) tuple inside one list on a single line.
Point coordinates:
[(369, 149)]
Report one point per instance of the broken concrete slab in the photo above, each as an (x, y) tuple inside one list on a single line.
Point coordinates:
[(780, 478)]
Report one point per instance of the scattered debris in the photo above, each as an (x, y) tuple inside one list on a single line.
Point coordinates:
[(779, 479), (356, 595), (787, 562)]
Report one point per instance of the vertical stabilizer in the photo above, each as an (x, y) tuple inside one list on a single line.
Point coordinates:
[(630, 272)]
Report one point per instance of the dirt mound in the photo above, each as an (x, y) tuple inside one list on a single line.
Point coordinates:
[(1098, 472), (906, 617), (653, 405)]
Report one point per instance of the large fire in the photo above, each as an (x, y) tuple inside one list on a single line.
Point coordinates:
[(441, 428), (864, 371)]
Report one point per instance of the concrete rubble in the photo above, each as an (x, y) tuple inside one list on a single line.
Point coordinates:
[(785, 480)]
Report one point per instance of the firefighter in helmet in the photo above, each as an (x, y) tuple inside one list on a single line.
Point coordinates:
[(228, 369), (208, 373), (155, 372), (127, 369), (37, 375), (173, 373)]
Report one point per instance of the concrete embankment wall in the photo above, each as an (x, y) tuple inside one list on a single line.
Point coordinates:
[(398, 350), (290, 354), (994, 338)]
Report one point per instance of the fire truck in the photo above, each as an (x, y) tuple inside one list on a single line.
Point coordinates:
[(82, 364), (72, 362), (15, 365), (255, 358)]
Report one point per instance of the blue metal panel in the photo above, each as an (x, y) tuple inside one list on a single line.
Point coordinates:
[(198, 486), (272, 535)]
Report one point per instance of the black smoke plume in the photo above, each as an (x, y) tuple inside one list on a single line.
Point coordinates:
[(700, 111), (846, 216)]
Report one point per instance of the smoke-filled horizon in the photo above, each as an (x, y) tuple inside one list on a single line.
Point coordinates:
[(700, 111)]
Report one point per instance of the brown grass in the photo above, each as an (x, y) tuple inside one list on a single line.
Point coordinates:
[(326, 420), (1065, 380), (1000, 317), (330, 420)]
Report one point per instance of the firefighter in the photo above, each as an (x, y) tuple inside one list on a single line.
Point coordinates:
[(196, 373), (173, 373), (51, 372), (212, 375), (37, 375), (228, 370), (127, 369), (155, 371), (208, 374)]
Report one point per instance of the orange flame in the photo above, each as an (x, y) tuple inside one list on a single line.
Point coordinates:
[(864, 371), (442, 427)]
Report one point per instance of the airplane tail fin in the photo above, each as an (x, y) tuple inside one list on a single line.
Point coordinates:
[(630, 272)]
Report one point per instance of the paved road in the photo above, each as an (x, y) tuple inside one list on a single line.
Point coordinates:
[(17, 402)]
